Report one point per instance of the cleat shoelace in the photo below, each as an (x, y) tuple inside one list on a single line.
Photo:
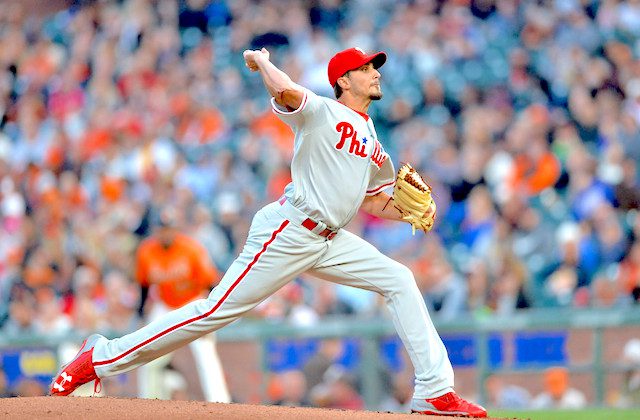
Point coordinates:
[(97, 386)]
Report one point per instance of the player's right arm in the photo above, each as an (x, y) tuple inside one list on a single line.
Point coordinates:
[(141, 275), (285, 92)]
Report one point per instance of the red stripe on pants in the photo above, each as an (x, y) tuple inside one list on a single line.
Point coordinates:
[(206, 314)]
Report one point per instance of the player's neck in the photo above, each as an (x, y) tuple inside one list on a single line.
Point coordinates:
[(360, 104)]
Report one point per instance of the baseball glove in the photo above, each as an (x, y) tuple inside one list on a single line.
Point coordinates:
[(412, 197)]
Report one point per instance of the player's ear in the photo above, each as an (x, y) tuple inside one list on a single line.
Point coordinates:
[(344, 82)]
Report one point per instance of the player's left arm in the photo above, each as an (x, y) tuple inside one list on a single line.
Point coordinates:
[(381, 205)]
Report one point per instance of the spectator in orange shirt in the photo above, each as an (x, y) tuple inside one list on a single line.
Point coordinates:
[(176, 265), (535, 169), (173, 270)]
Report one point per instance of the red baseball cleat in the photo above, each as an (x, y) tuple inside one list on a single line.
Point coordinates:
[(449, 404), (78, 371)]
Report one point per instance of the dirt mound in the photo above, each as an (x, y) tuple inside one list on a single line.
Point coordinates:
[(116, 408)]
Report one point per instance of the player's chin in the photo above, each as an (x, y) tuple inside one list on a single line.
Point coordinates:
[(375, 96)]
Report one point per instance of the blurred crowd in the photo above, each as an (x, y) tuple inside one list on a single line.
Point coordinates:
[(523, 115), (322, 382)]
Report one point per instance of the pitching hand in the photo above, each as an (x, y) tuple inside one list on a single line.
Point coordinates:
[(431, 211), (252, 56)]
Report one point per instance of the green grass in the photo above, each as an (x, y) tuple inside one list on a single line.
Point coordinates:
[(587, 414)]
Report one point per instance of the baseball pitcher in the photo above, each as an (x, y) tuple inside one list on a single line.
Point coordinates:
[(339, 167)]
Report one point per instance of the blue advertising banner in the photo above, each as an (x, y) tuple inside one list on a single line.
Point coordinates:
[(39, 363)]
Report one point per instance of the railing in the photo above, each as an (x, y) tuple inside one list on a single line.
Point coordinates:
[(371, 331)]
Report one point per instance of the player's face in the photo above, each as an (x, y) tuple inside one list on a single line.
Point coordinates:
[(365, 81), (166, 235)]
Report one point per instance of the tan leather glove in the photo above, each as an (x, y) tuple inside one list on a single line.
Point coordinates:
[(412, 197)]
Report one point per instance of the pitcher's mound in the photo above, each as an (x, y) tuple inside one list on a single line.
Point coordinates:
[(117, 408)]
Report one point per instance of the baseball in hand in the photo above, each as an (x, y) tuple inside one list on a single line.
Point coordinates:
[(250, 57)]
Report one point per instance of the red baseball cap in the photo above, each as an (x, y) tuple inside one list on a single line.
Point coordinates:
[(350, 59)]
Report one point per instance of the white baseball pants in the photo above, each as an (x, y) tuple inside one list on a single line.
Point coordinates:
[(208, 366), (279, 248)]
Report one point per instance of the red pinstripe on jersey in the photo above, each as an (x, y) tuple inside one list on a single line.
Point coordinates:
[(381, 187), (300, 108), (206, 314)]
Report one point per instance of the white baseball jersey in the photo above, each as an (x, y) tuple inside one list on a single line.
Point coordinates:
[(337, 159)]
